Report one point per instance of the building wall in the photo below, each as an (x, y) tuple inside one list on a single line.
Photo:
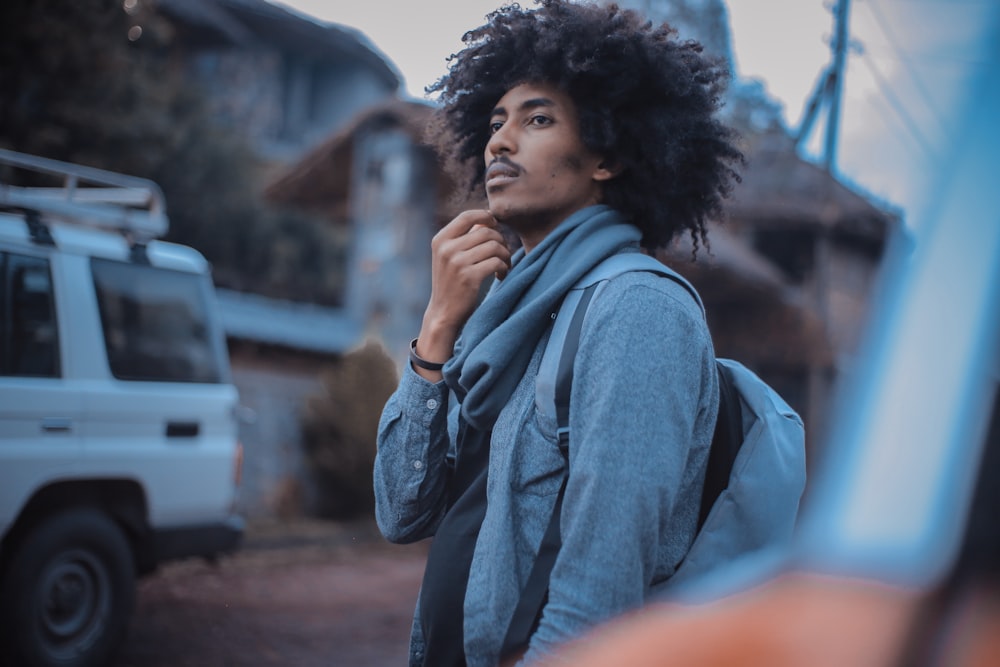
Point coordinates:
[(274, 386), (853, 277), (393, 212), (244, 89), (339, 92), (282, 103)]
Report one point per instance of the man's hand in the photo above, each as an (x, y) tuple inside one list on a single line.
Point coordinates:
[(464, 253)]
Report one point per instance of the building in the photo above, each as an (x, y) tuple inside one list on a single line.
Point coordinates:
[(285, 82), (282, 79), (378, 179), (785, 283), (792, 301)]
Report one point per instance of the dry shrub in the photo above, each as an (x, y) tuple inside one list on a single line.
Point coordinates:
[(287, 497), (339, 427)]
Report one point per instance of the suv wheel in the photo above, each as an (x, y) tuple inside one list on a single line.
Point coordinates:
[(68, 592)]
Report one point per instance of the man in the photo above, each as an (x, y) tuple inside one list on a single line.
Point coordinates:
[(598, 136)]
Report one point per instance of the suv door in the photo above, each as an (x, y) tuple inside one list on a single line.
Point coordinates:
[(168, 410), (40, 416)]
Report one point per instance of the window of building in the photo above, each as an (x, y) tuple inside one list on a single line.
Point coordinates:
[(793, 251)]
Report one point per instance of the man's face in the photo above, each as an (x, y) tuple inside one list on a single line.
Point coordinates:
[(538, 171)]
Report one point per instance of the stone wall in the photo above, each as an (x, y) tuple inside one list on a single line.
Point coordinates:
[(273, 387)]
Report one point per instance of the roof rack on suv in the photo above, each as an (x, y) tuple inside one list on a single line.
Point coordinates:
[(131, 205)]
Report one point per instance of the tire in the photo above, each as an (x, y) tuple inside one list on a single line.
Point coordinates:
[(68, 592)]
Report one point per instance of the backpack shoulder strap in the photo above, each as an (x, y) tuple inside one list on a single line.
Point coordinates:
[(624, 262), (555, 376), (557, 362)]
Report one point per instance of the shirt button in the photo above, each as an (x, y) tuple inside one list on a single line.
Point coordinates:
[(432, 404), (418, 465)]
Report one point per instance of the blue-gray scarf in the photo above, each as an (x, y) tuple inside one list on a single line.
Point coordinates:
[(499, 338)]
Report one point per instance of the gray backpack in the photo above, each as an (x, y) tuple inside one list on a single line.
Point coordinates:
[(756, 468)]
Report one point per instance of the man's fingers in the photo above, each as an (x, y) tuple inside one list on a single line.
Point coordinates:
[(482, 252), (452, 248), (465, 252), (466, 220)]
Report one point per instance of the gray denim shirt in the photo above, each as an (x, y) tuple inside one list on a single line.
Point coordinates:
[(643, 407)]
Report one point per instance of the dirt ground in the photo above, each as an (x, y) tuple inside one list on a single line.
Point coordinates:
[(301, 594)]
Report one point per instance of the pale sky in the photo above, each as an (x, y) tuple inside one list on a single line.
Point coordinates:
[(906, 72)]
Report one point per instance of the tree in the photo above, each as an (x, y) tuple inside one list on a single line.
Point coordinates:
[(91, 82)]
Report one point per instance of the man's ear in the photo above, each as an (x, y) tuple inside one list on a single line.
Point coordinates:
[(607, 169)]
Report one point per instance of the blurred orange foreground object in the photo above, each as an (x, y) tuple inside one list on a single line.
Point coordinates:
[(797, 620), (972, 632)]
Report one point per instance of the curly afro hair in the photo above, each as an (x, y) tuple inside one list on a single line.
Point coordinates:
[(646, 102)]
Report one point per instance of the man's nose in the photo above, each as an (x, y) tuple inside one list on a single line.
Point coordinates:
[(501, 141)]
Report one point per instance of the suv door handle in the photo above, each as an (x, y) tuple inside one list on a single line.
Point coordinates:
[(56, 425), (182, 429)]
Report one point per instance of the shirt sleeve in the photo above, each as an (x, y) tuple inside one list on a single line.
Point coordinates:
[(642, 378), (413, 461)]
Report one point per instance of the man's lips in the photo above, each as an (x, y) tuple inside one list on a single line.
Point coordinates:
[(501, 171)]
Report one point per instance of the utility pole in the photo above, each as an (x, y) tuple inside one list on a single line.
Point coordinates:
[(828, 89)]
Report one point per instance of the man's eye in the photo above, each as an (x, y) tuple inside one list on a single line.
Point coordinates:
[(539, 120), (495, 126)]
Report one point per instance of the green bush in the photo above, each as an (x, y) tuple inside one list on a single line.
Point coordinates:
[(339, 427)]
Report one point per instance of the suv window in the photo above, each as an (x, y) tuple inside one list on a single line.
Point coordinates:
[(156, 324), (28, 332)]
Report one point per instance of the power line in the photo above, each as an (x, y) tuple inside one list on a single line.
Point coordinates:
[(897, 105), (905, 60), (925, 61), (946, 3), (891, 124)]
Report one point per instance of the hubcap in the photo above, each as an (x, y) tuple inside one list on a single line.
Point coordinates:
[(75, 597)]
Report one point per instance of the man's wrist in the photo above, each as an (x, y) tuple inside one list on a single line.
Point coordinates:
[(420, 362)]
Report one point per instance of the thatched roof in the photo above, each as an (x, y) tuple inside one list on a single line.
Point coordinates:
[(725, 252), (768, 334), (781, 189), (754, 315), (321, 180), (252, 22)]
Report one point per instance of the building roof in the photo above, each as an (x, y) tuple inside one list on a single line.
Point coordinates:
[(252, 22), (297, 326), (754, 314), (321, 179), (725, 252), (781, 189)]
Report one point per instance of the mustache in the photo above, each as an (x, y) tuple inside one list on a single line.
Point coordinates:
[(506, 161)]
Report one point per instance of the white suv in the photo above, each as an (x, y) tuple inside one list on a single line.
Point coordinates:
[(118, 419)]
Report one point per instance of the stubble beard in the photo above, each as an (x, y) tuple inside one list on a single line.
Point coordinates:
[(533, 220)]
